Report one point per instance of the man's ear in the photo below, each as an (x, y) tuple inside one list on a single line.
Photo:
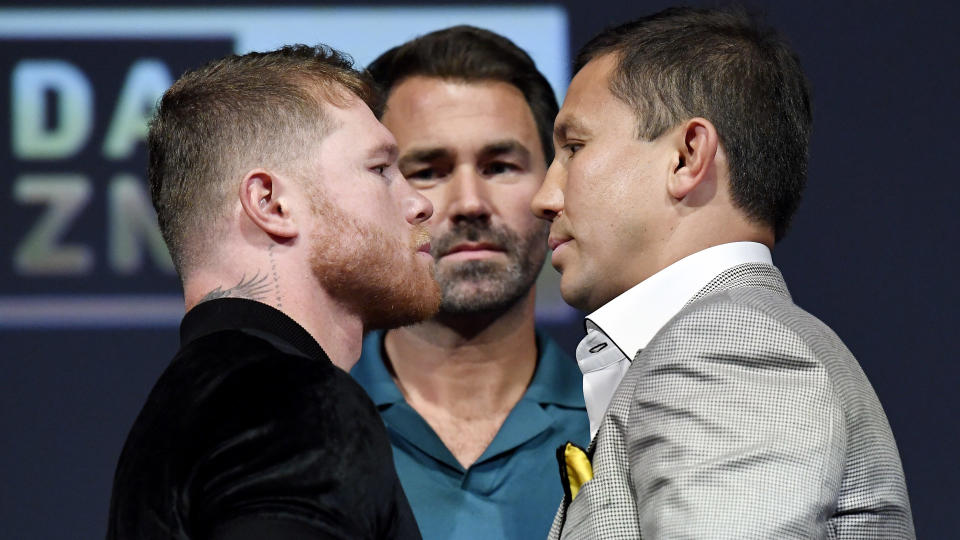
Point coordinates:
[(697, 143), (263, 196)]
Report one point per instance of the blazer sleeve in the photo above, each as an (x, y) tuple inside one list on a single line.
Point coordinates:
[(734, 429)]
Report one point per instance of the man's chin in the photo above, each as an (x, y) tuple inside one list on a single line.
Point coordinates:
[(432, 297), (468, 267), (574, 294), (416, 304)]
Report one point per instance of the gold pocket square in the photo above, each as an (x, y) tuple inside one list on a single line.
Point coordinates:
[(575, 469)]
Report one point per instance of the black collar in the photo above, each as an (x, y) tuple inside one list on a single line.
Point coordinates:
[(242, 314)]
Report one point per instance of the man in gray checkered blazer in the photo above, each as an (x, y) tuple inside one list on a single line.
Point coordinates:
[(718, 408)]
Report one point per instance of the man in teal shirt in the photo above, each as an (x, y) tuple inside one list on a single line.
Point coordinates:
[(475, 400)]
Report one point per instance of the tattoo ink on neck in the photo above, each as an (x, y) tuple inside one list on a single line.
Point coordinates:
[(255, 288), (276, 278)]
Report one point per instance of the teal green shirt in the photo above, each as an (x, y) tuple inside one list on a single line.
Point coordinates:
[(513, 490)]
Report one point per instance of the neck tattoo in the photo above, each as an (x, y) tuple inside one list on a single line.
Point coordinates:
[(254, 288), (276, 278)]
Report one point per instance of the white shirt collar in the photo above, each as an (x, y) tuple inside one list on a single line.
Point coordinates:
[(633, 318)]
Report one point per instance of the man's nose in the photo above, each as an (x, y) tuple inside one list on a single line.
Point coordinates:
[(547, 203), (416, 207), (468, 196)]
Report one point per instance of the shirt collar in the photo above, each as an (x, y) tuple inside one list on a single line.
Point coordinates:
[(372, 373), (556, 379), (633, 318), (242, 314)]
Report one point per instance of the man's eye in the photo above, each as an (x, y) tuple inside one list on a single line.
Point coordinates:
[(422, 174), (572, 148), (379, 169), (499, 167)]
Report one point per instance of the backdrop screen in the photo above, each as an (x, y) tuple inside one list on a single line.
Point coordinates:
[(81, 244)]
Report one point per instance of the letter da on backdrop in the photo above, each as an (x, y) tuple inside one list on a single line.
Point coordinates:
[(52, 119)]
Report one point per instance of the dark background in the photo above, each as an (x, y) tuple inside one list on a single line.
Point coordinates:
[(872, 252)]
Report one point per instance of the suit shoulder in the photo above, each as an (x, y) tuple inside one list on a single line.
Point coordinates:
[(243, 361), (761, 313), (228, 382), (759, 329)]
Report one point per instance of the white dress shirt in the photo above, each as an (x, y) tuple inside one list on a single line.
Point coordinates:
[(619, 329)]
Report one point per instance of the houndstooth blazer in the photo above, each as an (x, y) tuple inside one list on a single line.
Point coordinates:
[(745, 417)]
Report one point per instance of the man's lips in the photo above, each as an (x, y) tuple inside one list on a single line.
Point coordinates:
[(424, 248), (474, 246), (556, 241), (469, 250)]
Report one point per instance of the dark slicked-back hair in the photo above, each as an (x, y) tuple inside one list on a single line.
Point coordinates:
[(725, 66), (218, 122), (470, 54)]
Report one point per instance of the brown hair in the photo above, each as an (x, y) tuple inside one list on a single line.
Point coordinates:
[(234, 114), (722, 65), (470, 54)]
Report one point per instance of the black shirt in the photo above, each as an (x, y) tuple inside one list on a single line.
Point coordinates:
[(251, 432)]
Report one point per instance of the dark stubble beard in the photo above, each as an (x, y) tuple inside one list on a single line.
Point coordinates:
[(373, 274), (489, 286)]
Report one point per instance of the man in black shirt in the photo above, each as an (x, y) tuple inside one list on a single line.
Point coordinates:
[(292, 230)]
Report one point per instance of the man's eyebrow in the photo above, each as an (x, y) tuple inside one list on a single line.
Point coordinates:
[(506, 146), (565, 124), (388, 149), (423, 155)]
